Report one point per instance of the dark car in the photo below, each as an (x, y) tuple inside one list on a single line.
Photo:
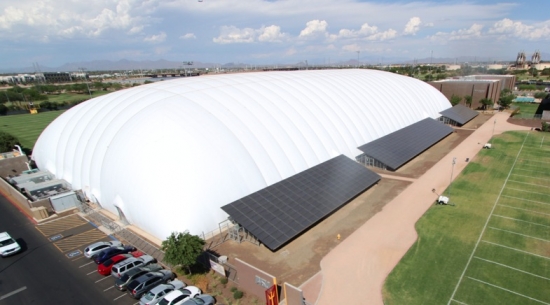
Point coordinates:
[(133, 274), (147, 281), (110, 252)]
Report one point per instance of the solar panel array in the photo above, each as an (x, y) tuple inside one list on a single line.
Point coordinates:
[(460, 114), (280, 212), (399, 147)]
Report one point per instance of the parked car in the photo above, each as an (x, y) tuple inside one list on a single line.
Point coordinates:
[(156, 294), (147, 281), (100, 246), (8, 245), (177, 297), (110, 252), (133, 274), (121, 268), (201, 299), (105, 267)]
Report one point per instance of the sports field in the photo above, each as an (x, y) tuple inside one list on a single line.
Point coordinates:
[(27, 127), (493, 246)]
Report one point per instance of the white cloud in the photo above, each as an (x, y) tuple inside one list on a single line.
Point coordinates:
[(508, 27), (232, 34), (188, 36), (314, 28), (271, 33), (366, 32), (156, 38), (412, 27), (473, 32), (135, 30)]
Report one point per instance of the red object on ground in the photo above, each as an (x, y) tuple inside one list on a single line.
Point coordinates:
[(105, 267), (136, 253)]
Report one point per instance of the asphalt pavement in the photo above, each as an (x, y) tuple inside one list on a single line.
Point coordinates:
[(50, 270)]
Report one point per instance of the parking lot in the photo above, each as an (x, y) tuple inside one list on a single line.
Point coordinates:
[(71, 235)]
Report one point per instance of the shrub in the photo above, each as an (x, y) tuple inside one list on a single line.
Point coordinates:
[(233, 289), (237, 294), (224, 280)]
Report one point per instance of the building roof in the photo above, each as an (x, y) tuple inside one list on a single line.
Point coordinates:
[(399, 147), (280, 212), (460, 114), (215, 139)]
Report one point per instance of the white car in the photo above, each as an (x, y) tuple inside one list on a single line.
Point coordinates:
[(8, 245), (100, 246), (177, 297)]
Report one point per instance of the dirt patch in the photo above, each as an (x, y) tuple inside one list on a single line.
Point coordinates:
[(526, 122)]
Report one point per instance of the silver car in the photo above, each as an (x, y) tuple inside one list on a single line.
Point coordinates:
[(156, 294), (95, 248), (119, 269)]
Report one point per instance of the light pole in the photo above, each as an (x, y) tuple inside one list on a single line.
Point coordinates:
[(452, 170), (493, 134)]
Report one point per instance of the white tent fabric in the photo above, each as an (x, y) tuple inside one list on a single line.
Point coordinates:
[(171, 153)]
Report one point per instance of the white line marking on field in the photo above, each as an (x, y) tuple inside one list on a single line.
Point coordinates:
[(515, 208), (5, 296), (515, 269), (102, 279), (516, 233), (516, 293), (537, 178), (518, 250), (530, 170), (91, 272), (541, 141), (487, 221), (109, 288), (520, 190), (459, 302), (531, 160), (515, 219), (540, 185), (523, 199), (86, 264), (119, 297)]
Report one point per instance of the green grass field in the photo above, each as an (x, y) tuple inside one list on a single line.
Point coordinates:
[(527, 110), (27, 127), (493, 247), (72, 97)]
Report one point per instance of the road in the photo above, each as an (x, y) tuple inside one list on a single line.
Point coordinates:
[(40, 274)]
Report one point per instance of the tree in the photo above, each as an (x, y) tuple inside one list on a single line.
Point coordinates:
[(468, 100), (455, 99), (182, 249), (7, 141), (486, 102), (506, 98)]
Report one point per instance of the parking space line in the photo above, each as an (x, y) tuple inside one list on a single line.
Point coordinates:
[(78, 258), (92, 262), (109, 288), (78, 240), (13, 292), (119, 297), (103, 279), (91, 272), (60, 225)]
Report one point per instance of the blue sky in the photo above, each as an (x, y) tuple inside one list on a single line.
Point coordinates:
[(54, 32)]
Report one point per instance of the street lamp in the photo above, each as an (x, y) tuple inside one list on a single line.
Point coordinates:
[(493, 134), (452, 170)]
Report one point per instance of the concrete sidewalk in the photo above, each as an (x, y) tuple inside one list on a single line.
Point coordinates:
[(358, 267)]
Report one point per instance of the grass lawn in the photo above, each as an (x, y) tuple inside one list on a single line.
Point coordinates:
[(527, 108), (493, 247), (27, 127), (72, 97)]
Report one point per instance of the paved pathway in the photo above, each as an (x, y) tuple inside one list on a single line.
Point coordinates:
[(358, 266)]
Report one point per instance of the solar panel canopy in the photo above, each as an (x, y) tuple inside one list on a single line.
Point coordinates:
[(280, 212), (401, 146), (460, 114)]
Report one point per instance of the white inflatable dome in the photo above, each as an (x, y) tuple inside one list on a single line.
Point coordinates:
[(171, 153)]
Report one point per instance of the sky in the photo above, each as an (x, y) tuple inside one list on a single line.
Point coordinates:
[(268, 32)]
